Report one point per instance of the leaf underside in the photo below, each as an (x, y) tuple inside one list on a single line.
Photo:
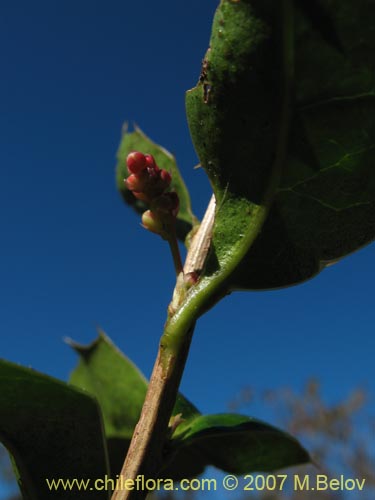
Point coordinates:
[(235, 116), (52, 431), (198, 441), (120, 389), (238, 444), (324, 207)]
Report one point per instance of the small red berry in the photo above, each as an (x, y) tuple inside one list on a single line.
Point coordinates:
[(136, 162)]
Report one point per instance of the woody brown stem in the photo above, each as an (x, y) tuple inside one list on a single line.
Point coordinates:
[(145, 455)]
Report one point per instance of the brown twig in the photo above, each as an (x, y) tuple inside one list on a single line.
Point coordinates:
[(145, 455)]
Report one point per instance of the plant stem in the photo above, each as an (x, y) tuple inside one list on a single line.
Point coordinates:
[(175, 251), (145, 455)]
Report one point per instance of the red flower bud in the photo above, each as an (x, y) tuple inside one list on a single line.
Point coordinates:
[(136, 162), (150, 162), (136, 182)]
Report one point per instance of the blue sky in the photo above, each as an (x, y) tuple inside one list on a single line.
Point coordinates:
[(73, 257)]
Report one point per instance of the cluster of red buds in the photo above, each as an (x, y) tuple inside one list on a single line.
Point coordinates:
[(150, 183)]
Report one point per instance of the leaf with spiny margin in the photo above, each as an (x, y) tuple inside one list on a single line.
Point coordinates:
[(120, 388), (52, 431), (138, 141), (325, 206), (114, 380), (237, 444)]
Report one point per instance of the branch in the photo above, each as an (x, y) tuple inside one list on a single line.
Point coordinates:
[(145, 455)]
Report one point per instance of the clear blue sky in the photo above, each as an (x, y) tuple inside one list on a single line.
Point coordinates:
[(72, 256)]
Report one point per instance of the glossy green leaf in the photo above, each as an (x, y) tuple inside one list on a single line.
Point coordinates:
[(120, 389), (52, 431), (138, 141), (238, 444), (324, 207)]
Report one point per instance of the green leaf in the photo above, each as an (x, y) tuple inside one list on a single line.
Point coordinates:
[(198, 440), (120, 389), (52, 431), (118, 385), (321, 21), (114, 380), (138, 141), (237, 444), (238, 117), (324, 207)]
